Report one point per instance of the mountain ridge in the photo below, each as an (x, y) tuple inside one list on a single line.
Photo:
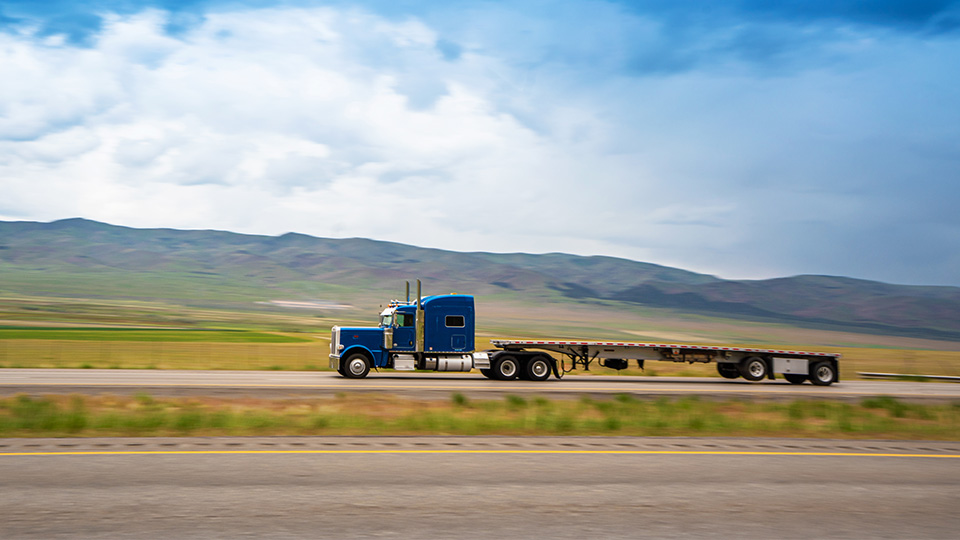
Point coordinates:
[(226, 267)]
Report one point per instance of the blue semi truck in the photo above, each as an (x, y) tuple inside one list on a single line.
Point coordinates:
[(436, 333)]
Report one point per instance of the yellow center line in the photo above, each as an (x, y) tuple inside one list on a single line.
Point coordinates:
[(424, 451)]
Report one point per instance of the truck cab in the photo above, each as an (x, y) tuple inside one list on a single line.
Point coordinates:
[(434, 333)]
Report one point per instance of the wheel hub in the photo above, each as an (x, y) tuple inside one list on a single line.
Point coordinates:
[(356, 366), (824, 373)]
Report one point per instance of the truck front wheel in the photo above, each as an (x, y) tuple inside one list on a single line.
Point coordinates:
[(506, 368), (356, 367)]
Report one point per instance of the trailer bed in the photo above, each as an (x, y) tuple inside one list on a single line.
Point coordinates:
[(567, 345), (752, 364)]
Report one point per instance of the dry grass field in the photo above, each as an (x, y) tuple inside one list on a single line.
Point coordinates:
[(311, 354), (158, 336)]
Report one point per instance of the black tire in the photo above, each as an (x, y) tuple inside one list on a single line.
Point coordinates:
[(823, 373), (753, 368), (522, 374), (505, 368), (538, 368), (794, 378), (356, 366), (487, 372), (728, 370)]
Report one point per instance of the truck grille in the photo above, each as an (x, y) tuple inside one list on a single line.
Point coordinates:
[(334, 340)]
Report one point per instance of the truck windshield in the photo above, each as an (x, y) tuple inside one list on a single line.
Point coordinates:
[(386, 318)]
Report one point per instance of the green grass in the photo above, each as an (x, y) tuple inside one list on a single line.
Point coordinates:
[(144, 415)]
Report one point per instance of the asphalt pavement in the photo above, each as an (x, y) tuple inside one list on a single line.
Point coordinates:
[(485, 487), (313, 383)]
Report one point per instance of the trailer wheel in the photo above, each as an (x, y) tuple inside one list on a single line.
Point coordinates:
[(823, 374), (505, 368), (356, 367), (753, 368), (728, 370), (538, 369), (794, 378)]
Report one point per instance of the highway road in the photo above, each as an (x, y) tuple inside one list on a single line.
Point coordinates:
[(485, 487), (312, 383)]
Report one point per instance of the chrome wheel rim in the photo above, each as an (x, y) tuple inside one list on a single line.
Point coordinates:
[(357, 366), (824, 373), (539, 368), (756, 369), (508, 368)]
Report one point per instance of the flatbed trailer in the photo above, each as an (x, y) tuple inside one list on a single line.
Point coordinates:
[(732, 362)]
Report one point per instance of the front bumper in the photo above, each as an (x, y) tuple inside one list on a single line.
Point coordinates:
[(335, 362)]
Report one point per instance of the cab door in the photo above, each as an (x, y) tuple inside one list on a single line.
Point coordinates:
[(405, 332)]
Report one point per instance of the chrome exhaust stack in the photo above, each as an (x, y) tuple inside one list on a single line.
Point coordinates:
[(419, 321)]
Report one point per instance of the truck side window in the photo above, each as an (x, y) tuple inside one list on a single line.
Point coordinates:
[(455, 321), (405, 319)]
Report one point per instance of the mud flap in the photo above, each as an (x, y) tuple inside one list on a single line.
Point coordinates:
[(556, 369)]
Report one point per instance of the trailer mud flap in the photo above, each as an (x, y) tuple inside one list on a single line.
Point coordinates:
[(557, 372)]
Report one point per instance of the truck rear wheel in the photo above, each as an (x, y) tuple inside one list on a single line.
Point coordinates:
[(823, 374), (487, 372), (728, 370), (505, 368), (753, 368), (538, 368), (356, 367)]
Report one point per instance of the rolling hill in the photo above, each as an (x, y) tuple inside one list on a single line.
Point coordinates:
[(82, 258)]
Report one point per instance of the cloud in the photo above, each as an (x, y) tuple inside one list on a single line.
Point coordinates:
[(750, 141), (261, 102)]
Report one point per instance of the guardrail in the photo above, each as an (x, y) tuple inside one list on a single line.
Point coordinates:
[(867, 375)]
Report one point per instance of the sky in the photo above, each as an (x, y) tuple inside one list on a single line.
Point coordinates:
[(747, 139)]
